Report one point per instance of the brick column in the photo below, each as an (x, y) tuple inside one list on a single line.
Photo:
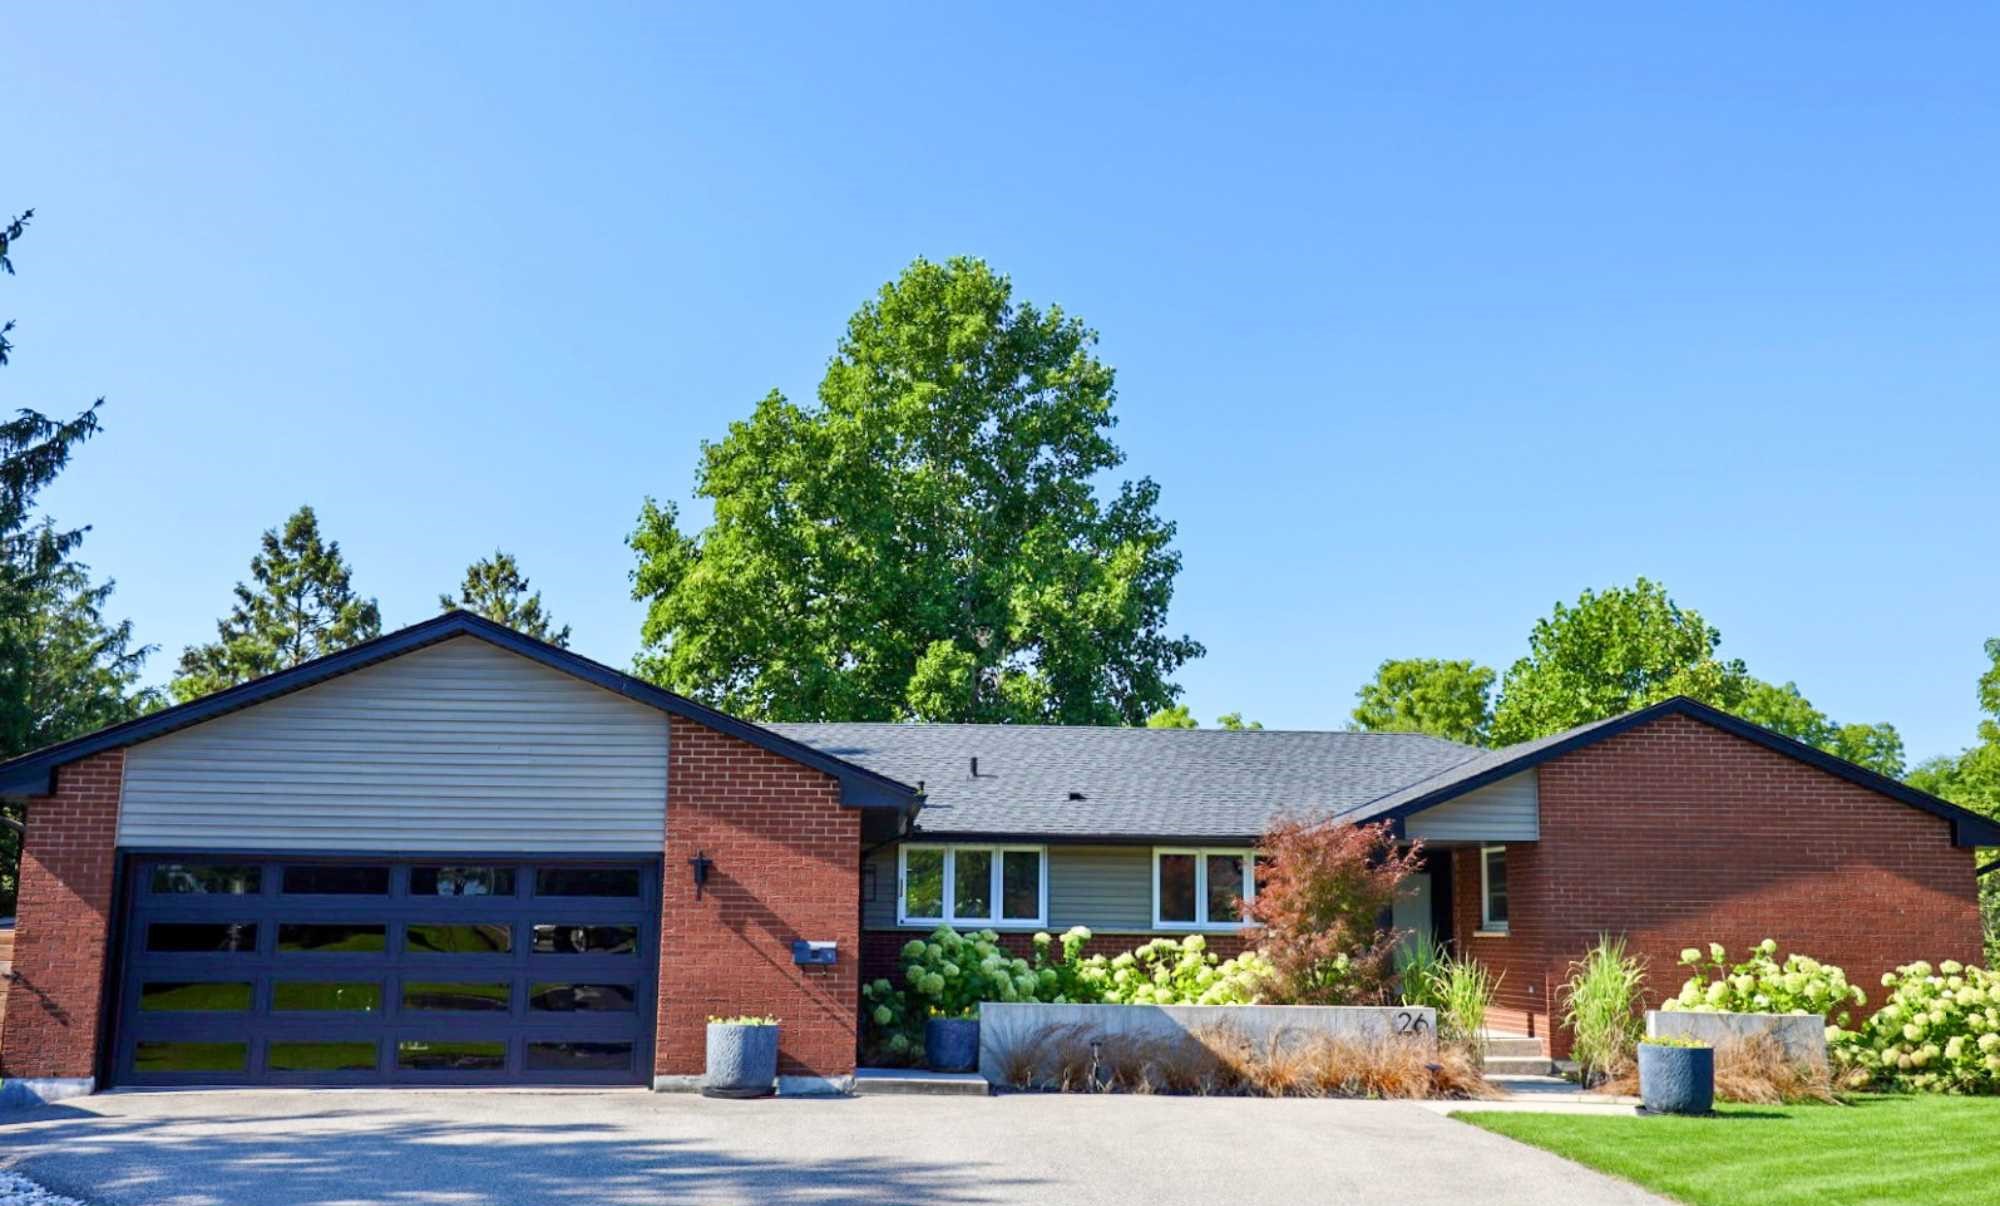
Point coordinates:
[(63, 923), (787, 861)]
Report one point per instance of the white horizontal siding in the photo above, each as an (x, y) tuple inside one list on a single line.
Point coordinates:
[(1506, 811), (459, 746)]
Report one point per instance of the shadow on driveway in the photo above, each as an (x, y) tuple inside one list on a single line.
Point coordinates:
[(178, 1148)]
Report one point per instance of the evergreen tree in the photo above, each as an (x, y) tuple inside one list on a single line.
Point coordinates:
[(302, 606), (494, 587)]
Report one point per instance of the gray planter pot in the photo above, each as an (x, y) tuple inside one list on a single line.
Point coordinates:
[(1677, 1080), (742, 1061), (951, 1044)]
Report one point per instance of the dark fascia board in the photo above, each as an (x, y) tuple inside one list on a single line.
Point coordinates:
[(1968, 828), (32, 774), (927, 837)]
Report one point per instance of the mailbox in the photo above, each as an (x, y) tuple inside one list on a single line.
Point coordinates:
[(807, 953)]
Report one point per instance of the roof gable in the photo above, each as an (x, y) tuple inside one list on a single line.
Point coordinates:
[(31, 774), (1968, 828)]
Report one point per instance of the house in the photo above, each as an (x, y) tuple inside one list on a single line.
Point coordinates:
[(456, 855)]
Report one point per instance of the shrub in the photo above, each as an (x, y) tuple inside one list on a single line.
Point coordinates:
[(1169, 972), (1938, 1031), (1760, 984), (1323, 889), (1461, 990), (945, 975), (1602, 991)]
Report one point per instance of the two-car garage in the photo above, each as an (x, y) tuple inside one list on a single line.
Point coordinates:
[(475, 970)]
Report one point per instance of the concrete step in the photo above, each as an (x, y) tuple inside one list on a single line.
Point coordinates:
[(1519, 1065), (917, 1082), (1514, 1046)]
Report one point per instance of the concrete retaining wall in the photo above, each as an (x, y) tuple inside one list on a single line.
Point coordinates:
[(1802, 1035), (1004, 1026)]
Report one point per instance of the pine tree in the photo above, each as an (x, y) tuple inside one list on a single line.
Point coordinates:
[(302, 606), (495, 588)]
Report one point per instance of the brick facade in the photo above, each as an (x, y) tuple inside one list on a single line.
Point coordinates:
[(1676, 834), (63, 923), (787, 861)]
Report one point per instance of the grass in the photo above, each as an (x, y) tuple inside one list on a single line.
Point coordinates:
[(1877, 1151)]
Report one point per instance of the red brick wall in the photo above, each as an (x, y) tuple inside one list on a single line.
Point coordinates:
[(63, 922), (1676, 834), (787, 865), (881, 950)]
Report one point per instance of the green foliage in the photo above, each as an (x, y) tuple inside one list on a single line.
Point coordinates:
[(1675, 1041), (1180, 716), (302, 607), (747, 1019), (1600, 1008), (1879, 747), (1760, 984), (1322, 893), (1447, 699), (950, 974), (1938, 1031), (1460, 990), (1184, 972), (1613, 652), (495, 588), (926, 541)]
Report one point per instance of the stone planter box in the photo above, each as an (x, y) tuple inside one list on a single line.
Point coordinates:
[(1802, 1036), (742, 1061), (951, 1044), (1677, 1080), (1005, 1026)]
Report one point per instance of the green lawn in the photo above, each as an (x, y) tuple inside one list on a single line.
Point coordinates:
[(1938, 1151)]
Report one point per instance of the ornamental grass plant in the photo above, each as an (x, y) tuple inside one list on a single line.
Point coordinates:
[(1601, 999)]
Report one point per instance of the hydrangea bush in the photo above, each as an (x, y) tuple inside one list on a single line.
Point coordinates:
[(949, 974), (1760, 984), (1169, 972), (1938, 1032)]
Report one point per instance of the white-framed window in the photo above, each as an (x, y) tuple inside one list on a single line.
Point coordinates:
[(997, 886), (1493, 889), (1201, 888)]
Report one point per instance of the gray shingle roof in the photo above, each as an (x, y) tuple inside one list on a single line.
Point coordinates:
[(1135, 783)]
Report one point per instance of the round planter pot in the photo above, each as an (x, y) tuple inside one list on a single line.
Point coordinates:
[(742, 1061), (951, 1044), (1677, 1080)]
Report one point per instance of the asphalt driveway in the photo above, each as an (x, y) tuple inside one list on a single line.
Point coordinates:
[(528, 1148)]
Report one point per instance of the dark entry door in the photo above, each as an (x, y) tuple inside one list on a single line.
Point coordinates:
[(478, 970)]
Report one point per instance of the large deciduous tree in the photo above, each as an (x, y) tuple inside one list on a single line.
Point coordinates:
[(1446, 699), (494, 587), (1614, 651), (300, 604), (1784, 709), (926, 540)]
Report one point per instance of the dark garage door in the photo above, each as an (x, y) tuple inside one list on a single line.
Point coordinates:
[(256, 970)]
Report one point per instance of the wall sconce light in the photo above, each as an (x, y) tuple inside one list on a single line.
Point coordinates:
[(701, 863)]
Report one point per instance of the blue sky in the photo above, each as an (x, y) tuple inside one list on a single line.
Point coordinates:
[(1423, 319)]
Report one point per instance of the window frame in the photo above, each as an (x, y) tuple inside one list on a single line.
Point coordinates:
[(997, 878), (1488, 926), (1201, 923)]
